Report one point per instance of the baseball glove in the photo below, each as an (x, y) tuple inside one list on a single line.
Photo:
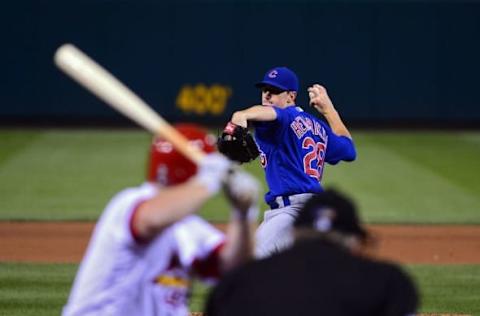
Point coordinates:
[(237, 143)]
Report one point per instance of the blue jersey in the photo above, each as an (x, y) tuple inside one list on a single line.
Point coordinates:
[(293, 150)]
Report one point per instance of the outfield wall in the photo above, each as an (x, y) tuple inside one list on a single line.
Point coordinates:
[(198, 60)]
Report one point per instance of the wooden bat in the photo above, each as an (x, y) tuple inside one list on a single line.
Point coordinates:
[(104, 85)]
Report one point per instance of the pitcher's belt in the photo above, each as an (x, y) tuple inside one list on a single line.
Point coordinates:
[(286, 200)]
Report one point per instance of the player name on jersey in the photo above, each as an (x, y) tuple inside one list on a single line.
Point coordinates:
[(302, 125)]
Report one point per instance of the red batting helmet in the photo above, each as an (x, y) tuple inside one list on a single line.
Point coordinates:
[(168, 166)]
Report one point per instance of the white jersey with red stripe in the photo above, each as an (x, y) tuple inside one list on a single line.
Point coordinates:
[(120, 275)]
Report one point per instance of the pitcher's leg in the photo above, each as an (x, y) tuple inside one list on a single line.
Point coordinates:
[(274, 234)]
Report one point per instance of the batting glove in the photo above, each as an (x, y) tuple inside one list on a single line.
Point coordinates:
[(242, 190), (212, 171)]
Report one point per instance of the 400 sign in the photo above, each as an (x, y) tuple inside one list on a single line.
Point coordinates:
[(201, 99)]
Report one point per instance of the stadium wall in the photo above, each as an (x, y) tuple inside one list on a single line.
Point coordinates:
[(382, 61)]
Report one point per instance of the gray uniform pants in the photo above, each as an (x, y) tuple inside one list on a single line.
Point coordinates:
[(275, 232)]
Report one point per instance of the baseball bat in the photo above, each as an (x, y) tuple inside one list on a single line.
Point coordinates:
[(104, 85)]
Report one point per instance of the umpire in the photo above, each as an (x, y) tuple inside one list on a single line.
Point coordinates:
[(325, 272)]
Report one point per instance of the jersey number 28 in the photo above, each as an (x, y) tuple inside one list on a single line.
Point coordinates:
[(316, 152)]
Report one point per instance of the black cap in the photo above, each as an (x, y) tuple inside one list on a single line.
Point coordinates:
[(330, 211)]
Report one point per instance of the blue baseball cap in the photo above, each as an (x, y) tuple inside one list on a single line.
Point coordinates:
[(281, 78)]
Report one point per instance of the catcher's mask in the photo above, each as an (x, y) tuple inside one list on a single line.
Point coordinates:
[(168, 166)]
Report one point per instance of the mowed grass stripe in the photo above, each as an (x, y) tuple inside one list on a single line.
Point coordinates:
[(42, 289), (452, 155), (392, 188), (34, 289), (399, 177), (453, 289), (14, 141), (71, 174)]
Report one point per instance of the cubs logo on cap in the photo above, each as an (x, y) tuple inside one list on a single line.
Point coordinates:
[(273, 74), (281, 78)]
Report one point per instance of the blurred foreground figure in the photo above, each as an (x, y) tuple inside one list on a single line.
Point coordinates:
[(324, 273), (147, 245)]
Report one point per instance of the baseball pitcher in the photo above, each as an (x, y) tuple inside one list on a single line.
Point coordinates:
[(293, 147)]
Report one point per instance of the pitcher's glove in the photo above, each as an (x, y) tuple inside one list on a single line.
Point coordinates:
[(237, 143)]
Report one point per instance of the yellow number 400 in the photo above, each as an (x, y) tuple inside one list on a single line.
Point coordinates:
[(201, 99)]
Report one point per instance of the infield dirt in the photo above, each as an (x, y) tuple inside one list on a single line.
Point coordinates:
[(65, 242)]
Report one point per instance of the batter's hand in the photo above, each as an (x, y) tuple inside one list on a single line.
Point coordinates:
[(212, 171), (242, 190), (320, 100)]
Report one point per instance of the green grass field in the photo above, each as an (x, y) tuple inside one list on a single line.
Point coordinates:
[(37, 289), (399, 177)]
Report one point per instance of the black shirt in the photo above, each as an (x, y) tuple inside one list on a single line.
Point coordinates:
[(314, 277)]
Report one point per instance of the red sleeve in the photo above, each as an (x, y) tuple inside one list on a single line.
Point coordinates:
[(135, 235), (209, 267)]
